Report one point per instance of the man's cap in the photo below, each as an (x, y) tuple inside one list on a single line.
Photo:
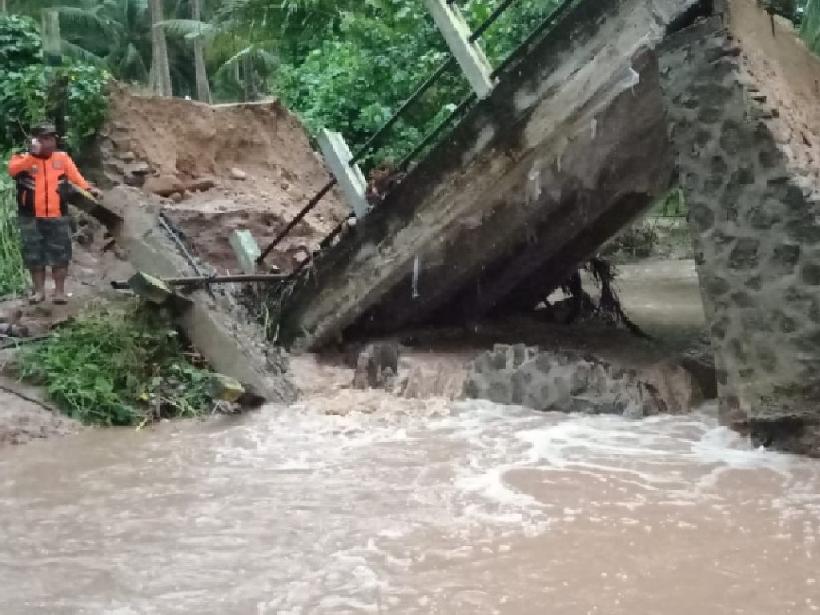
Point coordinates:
[(44, 128)]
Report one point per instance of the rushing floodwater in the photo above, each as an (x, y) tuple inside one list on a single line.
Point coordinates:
[(421, 507), (416, 508)]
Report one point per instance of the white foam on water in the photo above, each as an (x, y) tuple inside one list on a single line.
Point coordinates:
[(307, 512)]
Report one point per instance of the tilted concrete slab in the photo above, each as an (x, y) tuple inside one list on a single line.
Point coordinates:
[(206, 323), (569, 147)]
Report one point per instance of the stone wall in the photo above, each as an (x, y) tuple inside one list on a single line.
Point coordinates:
[(571, 382), (757, 239)]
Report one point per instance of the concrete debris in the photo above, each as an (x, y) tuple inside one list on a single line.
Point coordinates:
[(225, 388), (137, 168), (150, 288), (377, 366), (208, 322), (163, 185), (201, 184), (238, 174), (13, 330)]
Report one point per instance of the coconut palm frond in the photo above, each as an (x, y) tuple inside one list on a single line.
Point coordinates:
[(268, 58), (233, 61), (190, 28), (77, 17), (77, 52), (131, 64)]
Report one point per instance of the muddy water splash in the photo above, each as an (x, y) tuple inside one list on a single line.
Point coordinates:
[(424, 507)]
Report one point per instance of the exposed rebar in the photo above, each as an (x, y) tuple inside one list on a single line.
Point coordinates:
[(405, 105), (297, 219), (499, 10)]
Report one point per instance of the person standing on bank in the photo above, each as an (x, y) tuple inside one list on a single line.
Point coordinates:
[(45, 228)]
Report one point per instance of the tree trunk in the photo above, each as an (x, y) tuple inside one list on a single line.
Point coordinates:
[(3, 9), (249, 74), (160, 68), (203, 90)]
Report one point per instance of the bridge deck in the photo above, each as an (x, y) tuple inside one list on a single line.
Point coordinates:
[(570, 146)]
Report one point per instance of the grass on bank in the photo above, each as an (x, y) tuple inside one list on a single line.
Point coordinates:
[(119, 365), (13, 275)]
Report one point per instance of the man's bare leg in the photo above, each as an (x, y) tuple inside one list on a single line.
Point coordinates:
[(59, 274), (38, 277)]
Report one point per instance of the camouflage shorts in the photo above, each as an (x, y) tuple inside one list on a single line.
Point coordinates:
[(45, 242)]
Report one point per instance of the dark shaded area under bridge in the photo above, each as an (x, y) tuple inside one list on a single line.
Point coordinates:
[(572, 144)]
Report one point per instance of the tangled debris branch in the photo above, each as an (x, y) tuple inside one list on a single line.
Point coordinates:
[(608, 308)]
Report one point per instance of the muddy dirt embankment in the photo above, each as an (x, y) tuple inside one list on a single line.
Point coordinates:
[(221, 168)]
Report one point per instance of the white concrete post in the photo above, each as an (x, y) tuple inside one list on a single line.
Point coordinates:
[(246, 250), (470, 56), (350, 177)]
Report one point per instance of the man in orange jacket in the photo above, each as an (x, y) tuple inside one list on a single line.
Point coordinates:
[(45, 228)]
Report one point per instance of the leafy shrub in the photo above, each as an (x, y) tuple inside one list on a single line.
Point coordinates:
[(20, 43), (810, 27), (24, 96), (13, 275), (86, 87), (118, 366)]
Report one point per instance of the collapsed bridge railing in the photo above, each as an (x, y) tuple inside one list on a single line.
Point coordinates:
[(463, 50)]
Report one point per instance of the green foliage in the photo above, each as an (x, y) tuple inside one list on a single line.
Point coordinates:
[(22, 103), (671, 205), (369, 57), (118, 366), (87, 98), (810, 26), (24, 95), (343, 64), (20, 44), (13, 275)]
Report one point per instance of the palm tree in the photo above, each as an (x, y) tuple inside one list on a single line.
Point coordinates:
[(203, 90), (241, 53), (160, 80)]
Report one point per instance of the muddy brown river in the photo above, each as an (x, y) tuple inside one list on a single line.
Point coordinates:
[(459, 508), (416, 507)]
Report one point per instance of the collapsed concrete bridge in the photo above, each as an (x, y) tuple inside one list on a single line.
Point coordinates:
[(578, 138), (571, 145)]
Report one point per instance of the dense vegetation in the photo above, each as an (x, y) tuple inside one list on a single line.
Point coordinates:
[(344, 64), (119, 366), (26, 96), (13, 276), (809, 15)]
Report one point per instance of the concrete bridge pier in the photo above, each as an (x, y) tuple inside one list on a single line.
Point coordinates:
[(755, 223)]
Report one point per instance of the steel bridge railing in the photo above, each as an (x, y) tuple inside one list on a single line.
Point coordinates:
[(431, 136)]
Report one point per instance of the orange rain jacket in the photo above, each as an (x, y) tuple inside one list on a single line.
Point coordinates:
[(38, 181)]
